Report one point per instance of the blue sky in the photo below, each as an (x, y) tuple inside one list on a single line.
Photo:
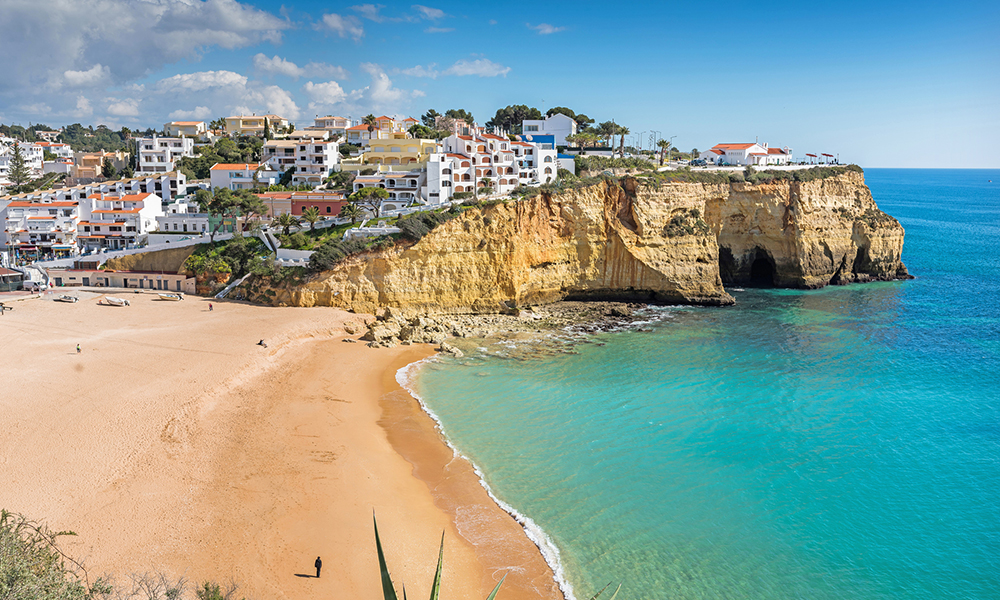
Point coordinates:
[(881, 84)]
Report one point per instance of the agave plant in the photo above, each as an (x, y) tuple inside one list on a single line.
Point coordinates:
[(389, 591)]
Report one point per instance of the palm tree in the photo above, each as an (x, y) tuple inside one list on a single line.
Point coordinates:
[(311, 215), (622, 131), (351, 211), (287, 221), (664, 145), (370, 122)]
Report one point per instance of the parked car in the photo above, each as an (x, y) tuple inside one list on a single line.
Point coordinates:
[(698, 162)]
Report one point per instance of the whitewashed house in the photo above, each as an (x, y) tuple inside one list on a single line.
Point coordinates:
[(557, 125), (116, 221), (403, 188), (243, 176), (159, 154), (744, 154), (313, 159)]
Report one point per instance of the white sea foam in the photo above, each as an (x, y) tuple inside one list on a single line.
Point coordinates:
[(406, 377)]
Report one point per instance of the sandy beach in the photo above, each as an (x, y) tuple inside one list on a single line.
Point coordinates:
[(172, 442)]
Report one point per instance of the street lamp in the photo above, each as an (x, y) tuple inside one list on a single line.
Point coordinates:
[(669, 144)]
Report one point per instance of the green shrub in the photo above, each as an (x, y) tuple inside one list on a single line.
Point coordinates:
[(461, 195), (416, 226), (333, 251)]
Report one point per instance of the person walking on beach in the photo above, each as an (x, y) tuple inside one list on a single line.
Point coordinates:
[(261, 343), (319, 565), (209, 307), (78, 348)]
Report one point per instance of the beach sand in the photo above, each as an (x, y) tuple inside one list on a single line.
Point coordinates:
[(174, 443)]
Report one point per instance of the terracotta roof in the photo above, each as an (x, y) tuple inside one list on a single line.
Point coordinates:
[(40, 204), (410, 119), (384, 117), (521, 144), (131, 210), (732, 146), (776, 151), (493, 137), (186, 122), (717, 151), (458, 155), (360, 127), (233, 166)]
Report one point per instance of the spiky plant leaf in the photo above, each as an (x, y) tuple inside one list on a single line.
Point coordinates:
[(493, 594), (615, 595), (436, 588), (388, 591)]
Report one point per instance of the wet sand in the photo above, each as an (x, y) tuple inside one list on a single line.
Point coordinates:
[(174, 443)]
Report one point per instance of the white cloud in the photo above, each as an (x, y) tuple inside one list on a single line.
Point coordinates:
[(124, 108), (545, 28), (320, 69), (344, 26), (202, 80), (83, 107), (429, 13), (421, 71), (324, 94), (277, 66), (38, 108), (200, 113), (93, 76), (439, 29), (274, 99), (482, 67), (369, 11), (88, 42)]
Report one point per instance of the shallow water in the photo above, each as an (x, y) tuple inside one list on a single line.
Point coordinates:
[(837, 443)]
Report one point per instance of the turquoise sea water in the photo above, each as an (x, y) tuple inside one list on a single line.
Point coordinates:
[(840, 443)]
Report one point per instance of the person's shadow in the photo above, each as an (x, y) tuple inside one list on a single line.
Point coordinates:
[(307, 576)]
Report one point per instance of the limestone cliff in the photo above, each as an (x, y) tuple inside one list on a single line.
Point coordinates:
[(671, 243)]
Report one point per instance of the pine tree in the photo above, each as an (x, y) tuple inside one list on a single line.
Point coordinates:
[(267, 129), (18, 173), (108, 169)]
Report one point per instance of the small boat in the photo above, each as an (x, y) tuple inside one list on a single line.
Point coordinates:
[(67, 298), (116, 301), (174, 297)]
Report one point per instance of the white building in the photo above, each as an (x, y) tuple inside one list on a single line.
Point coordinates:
[(60, 150), (556, 125), (159, 154), (313, 159), (403, 188), (165, 185), (487, 160), (34, 229), (32, 153), (191, 129), (743, 154), (113, 222), (243, 176), (337, 126)]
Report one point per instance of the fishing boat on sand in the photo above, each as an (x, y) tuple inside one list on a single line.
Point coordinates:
[(67, 298), (174, 297), (111, 300)]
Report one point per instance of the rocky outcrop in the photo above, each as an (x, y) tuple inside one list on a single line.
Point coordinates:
[(164, 261), (626, 241)]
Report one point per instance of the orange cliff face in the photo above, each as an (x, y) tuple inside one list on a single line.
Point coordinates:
[(627, 240)]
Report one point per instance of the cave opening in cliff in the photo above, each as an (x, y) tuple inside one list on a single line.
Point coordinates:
[(762, 271)]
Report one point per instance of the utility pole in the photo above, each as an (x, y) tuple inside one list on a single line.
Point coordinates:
[(670, 143)]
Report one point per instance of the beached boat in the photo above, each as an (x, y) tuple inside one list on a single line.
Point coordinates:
[(67, 298), (174, 297), (116, 301)]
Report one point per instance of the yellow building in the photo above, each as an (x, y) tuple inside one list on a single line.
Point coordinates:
[(192, 129), (412, 152), (254, 124)]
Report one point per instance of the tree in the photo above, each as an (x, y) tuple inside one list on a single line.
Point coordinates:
[(127, 172), (422, 132), (267, 129), (460, 114), (429, 118), (510, 118), (370, 198), (286, 177), (250, 205), (18, 172), (340, 179), (622, 131), (286, 221), (218, 124), (222, 204), (607, 130), (561, 110), (351, 211), (370, 122), (583, 122), (664, 146), (107, 169), (311, 215)]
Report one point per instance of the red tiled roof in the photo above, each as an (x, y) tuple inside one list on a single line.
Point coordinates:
[(717, 151), (233, 167), (732, 146), (40, 204), (493, 137), (465, 137), (360, 127), (457, 155), (776, 151), (115, 211)]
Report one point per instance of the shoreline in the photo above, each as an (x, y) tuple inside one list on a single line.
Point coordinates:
[(543, 543)]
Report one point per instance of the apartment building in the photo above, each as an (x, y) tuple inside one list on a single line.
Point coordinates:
[(404, 188), (165, 185), (33, 155), (337, 126), (553, 129), (35, 229), (88, 165), (243, 176), (60, 150), (159, 154), (484, 160), (385, 128), (254, 124), (114, 222), (410, 152), (313, 160), (191, 129)]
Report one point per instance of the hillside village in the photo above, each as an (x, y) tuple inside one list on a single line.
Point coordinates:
[(193, 181)]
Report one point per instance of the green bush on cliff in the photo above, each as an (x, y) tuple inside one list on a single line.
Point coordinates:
[(416, 226), (333, 251), (686, 222)]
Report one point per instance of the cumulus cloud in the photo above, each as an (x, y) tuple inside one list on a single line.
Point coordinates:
[(124, 108), (428, 13), (88, 42), (439, 29), (83, 107), (545, 28), (369, 11), (482, 67), (344, 26), (202, 80), (95, 75), (280, 66), (421, 71), (324, 94), (199, 113)]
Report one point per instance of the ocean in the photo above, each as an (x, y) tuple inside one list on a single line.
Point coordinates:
[(829, 444)]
